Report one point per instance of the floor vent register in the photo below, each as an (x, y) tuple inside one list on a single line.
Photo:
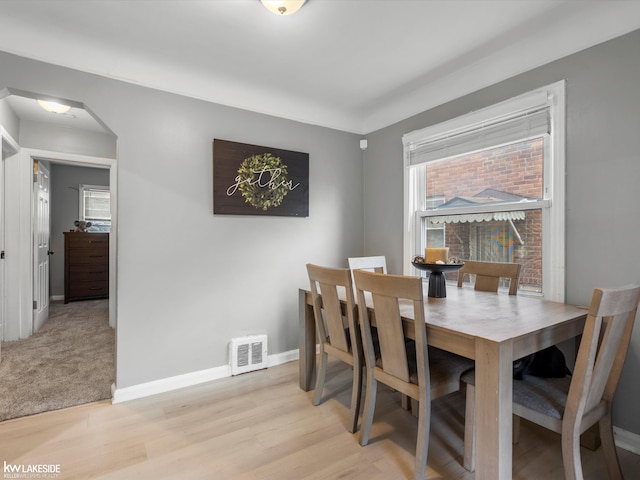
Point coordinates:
[(248, 354)]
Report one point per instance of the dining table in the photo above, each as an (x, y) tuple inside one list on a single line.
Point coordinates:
[(491, 328)]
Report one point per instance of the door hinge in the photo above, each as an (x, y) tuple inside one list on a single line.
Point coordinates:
[(2, 255), (35, 304)]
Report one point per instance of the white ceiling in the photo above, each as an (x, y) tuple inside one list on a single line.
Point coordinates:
[(353, 65)]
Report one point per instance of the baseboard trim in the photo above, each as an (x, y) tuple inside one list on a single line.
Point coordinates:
[(164, 385), (169, 384), (284, 357), (627, 440)]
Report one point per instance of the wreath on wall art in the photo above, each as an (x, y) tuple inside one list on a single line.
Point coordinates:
[(263, 181)]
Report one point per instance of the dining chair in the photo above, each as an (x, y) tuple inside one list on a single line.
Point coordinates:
[(411, 368), (376, 263), (487, 279), (337, 331), (488, 275), (573, 404)]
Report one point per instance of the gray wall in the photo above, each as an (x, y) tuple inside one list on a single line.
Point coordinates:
[(8, 119), (189, 281), (603, 170), (67, 140), (64, 201)]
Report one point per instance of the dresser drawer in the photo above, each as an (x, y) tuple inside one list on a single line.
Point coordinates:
[(88, 240), (89, 289), (84, 256), (88, 273)]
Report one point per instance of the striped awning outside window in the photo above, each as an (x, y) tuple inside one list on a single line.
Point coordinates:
[(478, 217)]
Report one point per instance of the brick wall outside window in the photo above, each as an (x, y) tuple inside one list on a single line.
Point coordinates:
[(515, 169)]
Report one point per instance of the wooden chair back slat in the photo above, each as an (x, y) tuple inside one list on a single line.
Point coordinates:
[(391, 337), (335, 321), (488, 275)]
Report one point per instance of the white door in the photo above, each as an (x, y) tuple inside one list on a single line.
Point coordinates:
[(41, 233)]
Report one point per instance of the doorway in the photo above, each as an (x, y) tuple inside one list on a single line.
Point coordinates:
[(92, 147)]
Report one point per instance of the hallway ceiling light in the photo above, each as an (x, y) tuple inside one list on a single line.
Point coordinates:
[(283, 7), (54, 107)]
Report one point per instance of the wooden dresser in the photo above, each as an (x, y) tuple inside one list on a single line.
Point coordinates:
[(86, 266)]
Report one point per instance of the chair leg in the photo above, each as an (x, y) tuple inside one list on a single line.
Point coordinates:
[(469, 455), (356, 394), (609, 448), (322, 373), (571, 452), (422, 443), (369, 407), (413, 405)]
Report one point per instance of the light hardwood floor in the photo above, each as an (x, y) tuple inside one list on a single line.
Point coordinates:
[(260, 425)]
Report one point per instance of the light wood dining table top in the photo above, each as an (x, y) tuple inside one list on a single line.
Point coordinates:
[(492, 328)]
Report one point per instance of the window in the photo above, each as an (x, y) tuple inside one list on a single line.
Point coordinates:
[(489, 185), (95, 207), (434, 230)]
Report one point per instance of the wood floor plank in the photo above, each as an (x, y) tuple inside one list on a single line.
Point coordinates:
[(261, 426)]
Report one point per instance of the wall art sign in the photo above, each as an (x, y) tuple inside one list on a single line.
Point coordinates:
[(255, 180)]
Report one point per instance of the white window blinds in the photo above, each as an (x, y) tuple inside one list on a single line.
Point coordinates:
[(96, 204), (495, 132)]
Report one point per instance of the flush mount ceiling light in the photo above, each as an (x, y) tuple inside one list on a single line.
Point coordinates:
[(54, 107), (283, 7)]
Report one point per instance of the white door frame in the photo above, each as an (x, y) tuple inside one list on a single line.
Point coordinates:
[(9, 148), (19, 234)]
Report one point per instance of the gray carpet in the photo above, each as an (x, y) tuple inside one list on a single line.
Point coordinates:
[(70, 361)]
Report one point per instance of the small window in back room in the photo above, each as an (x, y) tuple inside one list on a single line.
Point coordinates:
[(95, 207)]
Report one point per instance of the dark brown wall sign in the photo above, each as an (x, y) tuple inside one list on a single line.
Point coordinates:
[(255, 180)]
